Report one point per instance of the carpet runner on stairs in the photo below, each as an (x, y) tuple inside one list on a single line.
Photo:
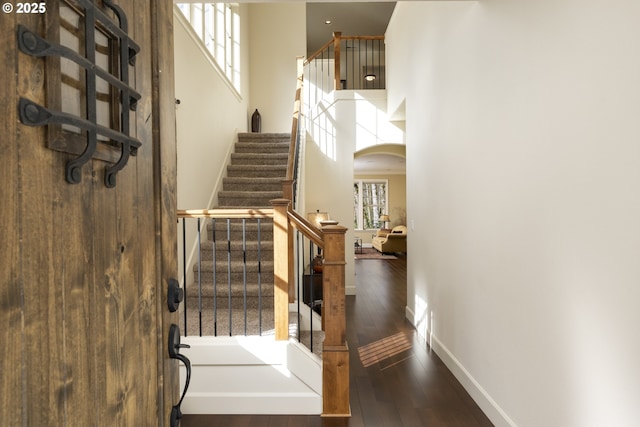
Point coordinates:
[(243, 273)]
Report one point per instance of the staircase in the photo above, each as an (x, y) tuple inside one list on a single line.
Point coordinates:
[(238, 371), (257, 168), (244, 250)]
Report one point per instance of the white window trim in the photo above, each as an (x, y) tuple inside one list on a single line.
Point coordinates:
[(360, 210), (205, 51)]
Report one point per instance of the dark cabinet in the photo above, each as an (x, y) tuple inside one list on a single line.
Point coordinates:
[(312, 290)]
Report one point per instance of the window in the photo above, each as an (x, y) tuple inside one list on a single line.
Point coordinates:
[(218, 26), (93, 96), (370, 201)]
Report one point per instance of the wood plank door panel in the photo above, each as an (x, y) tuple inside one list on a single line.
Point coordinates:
[(84, 270)]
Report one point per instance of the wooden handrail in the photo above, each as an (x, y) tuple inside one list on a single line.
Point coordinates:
[(226, 213), (290, 177), (319, 52), (305, 227), (295, 121)]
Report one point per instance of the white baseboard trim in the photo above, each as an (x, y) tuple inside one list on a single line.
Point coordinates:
[(486, 403), (410, 315)]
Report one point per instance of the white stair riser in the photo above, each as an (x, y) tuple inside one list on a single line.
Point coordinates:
[(251, 375)]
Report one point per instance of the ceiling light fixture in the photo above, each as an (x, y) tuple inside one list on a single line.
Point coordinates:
[(370, 77), (327, 22)]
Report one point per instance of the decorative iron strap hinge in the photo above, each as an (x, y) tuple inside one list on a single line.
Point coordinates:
[(32, 114)]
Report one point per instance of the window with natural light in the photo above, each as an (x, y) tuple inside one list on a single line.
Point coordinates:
[(218, 26), (370, 201)]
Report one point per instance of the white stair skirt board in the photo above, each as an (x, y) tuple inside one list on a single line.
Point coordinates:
[(251, 375), (305, 315)]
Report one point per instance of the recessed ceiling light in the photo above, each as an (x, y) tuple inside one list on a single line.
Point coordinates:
[(327, 22), (370, 77)]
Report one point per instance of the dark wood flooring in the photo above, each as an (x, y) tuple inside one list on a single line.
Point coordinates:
[(396, 381)]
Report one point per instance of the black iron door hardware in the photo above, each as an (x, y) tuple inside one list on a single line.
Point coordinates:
[(174, 353), (175, 294), (32, 114)]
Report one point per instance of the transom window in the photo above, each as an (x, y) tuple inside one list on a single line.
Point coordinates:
[(370, 201), (218, 26)]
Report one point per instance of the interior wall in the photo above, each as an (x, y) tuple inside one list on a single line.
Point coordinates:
[(277, 37), (341, 124), (328, 176), (523, 164), (208, 118)]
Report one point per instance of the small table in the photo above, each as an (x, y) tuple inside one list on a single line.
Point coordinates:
[(358, 245)]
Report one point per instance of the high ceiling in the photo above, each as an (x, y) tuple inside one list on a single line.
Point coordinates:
[(352, 19)]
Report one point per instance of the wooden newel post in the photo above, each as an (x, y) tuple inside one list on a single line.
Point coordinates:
[(281, 268), (335, 353), (287, 193), (337, 85)]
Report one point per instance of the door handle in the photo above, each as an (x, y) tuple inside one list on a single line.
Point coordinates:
[(174, 353)]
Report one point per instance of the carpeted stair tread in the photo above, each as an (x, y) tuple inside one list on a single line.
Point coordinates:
[(264, 137), (262, 147), (236, 266), (252, 184), (266, 236), (237, 248), (257, 171), (226, 200), (271, 159), (240, 194), (221, 288)]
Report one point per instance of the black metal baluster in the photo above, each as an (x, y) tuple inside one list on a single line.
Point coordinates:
[(184, 270), (366, 62), (346, 65), (322, 71), (215, 281), (244, 271), (259, 278), (229, 271), (199, 282), (311, 299), (360, 76), (299, 276), (379, 67)]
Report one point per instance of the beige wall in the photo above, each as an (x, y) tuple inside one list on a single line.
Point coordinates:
[(397, 203), (523, 171), (208, 117), (277, 36)]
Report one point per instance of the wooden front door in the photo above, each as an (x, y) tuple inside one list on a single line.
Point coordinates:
[(84, 271)]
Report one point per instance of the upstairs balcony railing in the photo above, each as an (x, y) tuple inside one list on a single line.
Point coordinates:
[(346, 63)]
